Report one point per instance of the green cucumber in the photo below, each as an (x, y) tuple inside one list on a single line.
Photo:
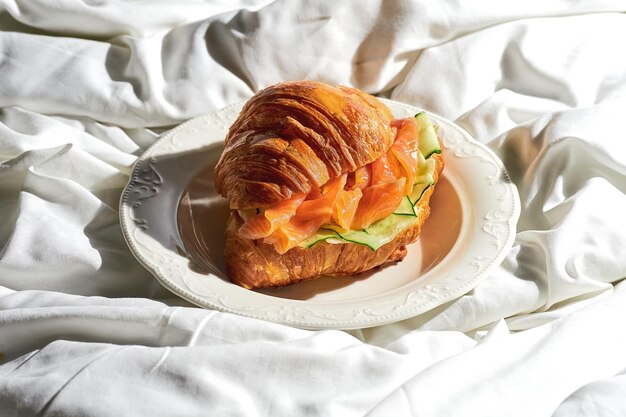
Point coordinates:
[(378, 234), (418, 191), (321, 235), (425, 169), (428, 141), (423, 178), (405, 208)]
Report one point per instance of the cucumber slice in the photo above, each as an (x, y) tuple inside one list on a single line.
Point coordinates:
[(375, 236), (321, 235), (418, 191), (423, 179), (360, 236), (378, 234), (386, 229), (405, 208), (425, 170), (428, 141)]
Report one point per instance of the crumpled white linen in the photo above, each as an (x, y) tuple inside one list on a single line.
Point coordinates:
[(87, 86), (101, 357)]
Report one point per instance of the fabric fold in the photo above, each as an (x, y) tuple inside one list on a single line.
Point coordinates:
[(88, 86)]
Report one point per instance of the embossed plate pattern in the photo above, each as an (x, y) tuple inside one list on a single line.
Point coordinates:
[(472, 226)]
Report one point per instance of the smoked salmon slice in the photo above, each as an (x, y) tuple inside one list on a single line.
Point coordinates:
[(264, 224), (405, 149), (321, 208), (345, 207), (309, 217), (378, 202), (385, 169), (290, 234), (360, 178)]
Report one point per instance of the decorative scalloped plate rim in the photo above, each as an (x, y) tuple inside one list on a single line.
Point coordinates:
[(493, 208)]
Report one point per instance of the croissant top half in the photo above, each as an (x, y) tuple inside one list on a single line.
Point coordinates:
[(293, 137)]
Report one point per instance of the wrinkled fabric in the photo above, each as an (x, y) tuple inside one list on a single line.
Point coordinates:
[(88, 86)]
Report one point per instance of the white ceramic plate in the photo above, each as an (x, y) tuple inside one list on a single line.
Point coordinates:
[(174, 223)]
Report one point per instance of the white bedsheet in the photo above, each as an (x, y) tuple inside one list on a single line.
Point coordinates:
[(86, 86)]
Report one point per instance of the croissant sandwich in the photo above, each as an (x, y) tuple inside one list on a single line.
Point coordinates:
[(322, 180)]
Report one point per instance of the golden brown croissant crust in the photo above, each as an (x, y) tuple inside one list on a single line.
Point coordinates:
[(293, 137), (253, 264)]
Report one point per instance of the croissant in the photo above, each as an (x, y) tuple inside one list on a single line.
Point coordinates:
[(321, 180)]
